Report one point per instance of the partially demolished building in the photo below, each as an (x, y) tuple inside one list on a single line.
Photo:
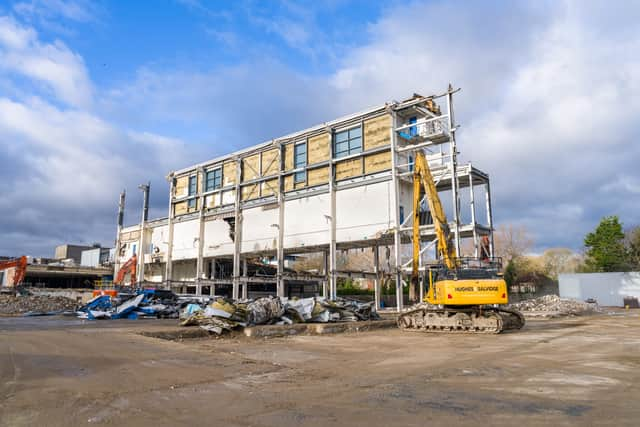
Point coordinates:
[(339, 186)]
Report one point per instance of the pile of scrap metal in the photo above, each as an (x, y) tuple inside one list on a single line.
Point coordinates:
[(225, 315), (145, 303)]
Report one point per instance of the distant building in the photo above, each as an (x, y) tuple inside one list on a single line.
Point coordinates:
[(70, 252), (96, 257)]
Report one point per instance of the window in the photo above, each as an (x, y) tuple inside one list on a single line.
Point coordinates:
[(192, 185), (347, 142), (299, 161), (192, 203), (401, 215), (214, 180), (133, 248)]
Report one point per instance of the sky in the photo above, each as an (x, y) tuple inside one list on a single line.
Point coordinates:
[(97, 97)]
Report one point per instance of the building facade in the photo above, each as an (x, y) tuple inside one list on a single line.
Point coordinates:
[(339, 186)]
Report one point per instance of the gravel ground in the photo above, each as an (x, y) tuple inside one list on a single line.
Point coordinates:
[(580, 371)]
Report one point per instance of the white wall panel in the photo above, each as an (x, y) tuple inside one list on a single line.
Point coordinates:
[(363, 212), (305, 221), (609, 289), (159, 238), (257, 231), (185, 244), (217, 241)]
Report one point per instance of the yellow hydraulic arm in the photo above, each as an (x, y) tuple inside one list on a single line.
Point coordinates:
[(422, 178)]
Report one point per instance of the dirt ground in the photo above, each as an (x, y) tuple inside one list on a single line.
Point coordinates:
[(581, 371)]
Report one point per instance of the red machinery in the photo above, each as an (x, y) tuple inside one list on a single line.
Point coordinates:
[(20, 265), (128, 267)]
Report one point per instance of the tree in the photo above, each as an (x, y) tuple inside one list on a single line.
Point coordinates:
[(605, 246), (632, 239), (512, 241), (510, 273), (556, 261)]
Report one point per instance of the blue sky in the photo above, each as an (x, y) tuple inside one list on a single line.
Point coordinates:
[(100, 96)]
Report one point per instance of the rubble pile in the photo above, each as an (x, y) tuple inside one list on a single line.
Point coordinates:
[(554, 306), (224, 315), (147, 303), (34, 305)]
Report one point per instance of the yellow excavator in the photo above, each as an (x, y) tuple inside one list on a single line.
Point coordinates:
[(463, 295)]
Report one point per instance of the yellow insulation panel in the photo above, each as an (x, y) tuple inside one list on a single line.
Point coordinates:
[(182, 186), (213, 200), (377, 162), (130, 235), (251, 191), (288, 183), (318, 176), (349, 168), (270, 162), (251, 167), (200, 182), (319, 148), (180, 208), (270, 187), (228, 174), (288, 157), (377, 132)]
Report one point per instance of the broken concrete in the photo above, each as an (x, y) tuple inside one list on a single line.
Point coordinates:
[(553, 306), (11, 305)]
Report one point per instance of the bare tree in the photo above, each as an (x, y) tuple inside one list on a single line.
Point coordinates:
[(556, 261), (512, 241)]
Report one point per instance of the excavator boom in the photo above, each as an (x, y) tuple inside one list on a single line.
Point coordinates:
[(127, 267), (20, 265)]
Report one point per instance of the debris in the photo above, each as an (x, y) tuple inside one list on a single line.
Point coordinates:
[(554, 306), (35, 305), (144, 303), (225, 315)]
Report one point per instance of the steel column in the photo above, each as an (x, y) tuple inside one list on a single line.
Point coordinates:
[(473, 212), (489, 218), (280, 287), (396, 214), (454, 170), (237, 234), (169, 265)]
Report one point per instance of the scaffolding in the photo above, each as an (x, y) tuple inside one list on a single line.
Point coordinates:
[(415, 124)]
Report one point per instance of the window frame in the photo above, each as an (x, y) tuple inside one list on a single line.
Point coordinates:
[(299, 177), (195, 185), (213, 180), (345, 145)]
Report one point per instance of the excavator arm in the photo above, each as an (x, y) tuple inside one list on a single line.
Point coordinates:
[(422, 178), (20, 265), (127, 267)]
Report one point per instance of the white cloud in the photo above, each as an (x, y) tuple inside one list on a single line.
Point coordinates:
[(52, 65), (551, 93), (76, 10), (62, 164), (548, 105)]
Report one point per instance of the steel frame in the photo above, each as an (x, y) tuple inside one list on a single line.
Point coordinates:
[(440, 144)]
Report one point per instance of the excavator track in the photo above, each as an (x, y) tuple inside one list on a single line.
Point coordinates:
[(474, 320)]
